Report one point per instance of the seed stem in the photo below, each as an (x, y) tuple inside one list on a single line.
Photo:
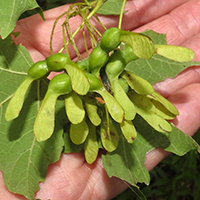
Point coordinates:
[(121, 14)]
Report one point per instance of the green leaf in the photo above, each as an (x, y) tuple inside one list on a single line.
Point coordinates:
[(10, 12), (127, 161), (69, 146), (14, 63), (158, 68), (111, 7), (157, 38), (23, 160), (180, 143)]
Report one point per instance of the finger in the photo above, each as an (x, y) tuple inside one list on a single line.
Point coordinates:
[(35, 33), (179, 25), (171, 85), (143, 12), (188, 104), (72, 172)]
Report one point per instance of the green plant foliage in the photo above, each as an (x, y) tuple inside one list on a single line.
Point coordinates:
[(23, 160), (91, 95), (110, 7), (69, 146), (174, 178), (157, 38), (10, 12), (157, 68), (15, 61), (127, 161)]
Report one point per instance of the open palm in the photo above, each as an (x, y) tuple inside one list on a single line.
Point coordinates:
[(71, 177)]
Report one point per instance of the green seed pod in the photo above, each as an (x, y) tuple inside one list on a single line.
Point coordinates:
[(124, 84), (128, 130), (45, 119), (114, 108), (168, 105), (95, 83), (118, 61), (38, 70), (79, 132), (83, 64), (162, 111), (92, 110), (154, 120), (57, 62), (137, 83), (110, 39), (114, 68), (142, 46), (15, 104), (109, 135), (127, 54), (97, 59), (91, 146), (74, 108), (177, 53), (60, 84)]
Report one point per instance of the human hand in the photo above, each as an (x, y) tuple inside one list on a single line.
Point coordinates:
[(71, 177)]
